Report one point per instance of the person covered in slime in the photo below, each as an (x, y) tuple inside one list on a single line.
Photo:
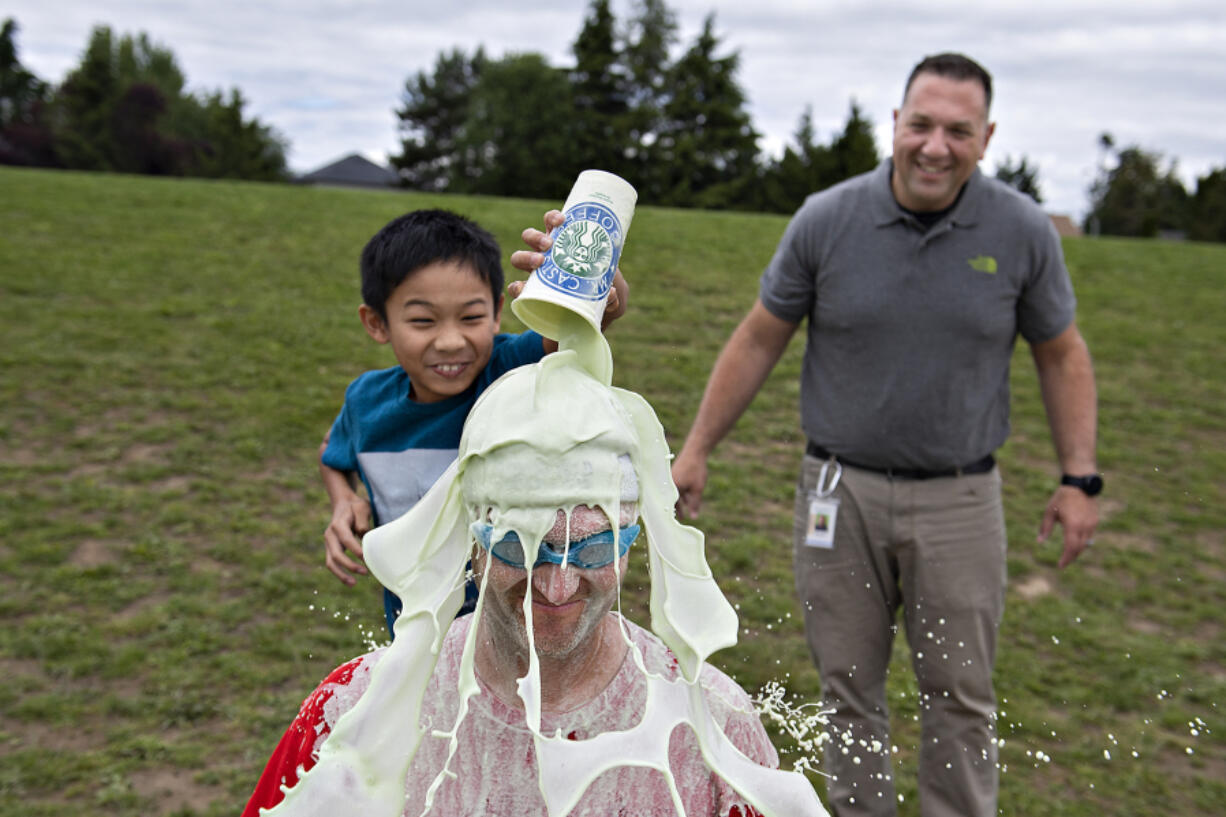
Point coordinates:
[(545, 701)]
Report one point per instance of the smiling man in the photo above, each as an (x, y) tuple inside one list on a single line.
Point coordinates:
[(940, 134), (916, 279)]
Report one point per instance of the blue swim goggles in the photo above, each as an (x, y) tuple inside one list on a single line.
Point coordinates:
[(597, 550)]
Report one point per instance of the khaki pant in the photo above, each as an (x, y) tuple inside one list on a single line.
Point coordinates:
[(935, 548)]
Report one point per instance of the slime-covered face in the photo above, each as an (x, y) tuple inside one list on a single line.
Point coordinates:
[(544, 437), (568, 603)]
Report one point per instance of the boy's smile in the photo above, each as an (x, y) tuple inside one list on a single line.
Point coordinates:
[(441, 325)]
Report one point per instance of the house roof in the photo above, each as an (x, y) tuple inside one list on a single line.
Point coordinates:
[(353, 170), (1065, 226)]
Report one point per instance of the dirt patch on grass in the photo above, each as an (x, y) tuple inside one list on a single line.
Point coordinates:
[(1208, 631), (89, 469), (1126, 582), (1129, 541), (772, 454), (1145, 626), (172, 789), (145, 453), (1176, 765), (98, 423), (1211, 543), (1023, 455), (11, 668), (177, 484), (25, 733), (1034, 587), (93, 553), (764, 516), (1109, 507), (1211, 573), (208, 566), (142, 605), (23, 456), (1212, 669), (76, 739)]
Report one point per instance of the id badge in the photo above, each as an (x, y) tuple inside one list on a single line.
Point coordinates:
[(824, 507), (823, 514)]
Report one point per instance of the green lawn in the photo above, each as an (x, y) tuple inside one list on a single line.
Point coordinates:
[(172, 351)]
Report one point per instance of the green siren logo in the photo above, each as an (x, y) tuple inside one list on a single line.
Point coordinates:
[(583, 248), (584, 254)]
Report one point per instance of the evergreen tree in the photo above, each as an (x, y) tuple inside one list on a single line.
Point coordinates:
[(599, 123), (137, 146), (85, 106), (25, 136), (707, 144), (432, 116), (810, 166), (114, 104), (138, 59), (503, 151), (1136, 199), (1106, 147), (799, 171), (646, 43), (1021, 176), (855, 149), (1207, 217), (20, 90), (124, 108), (805, 136), (230, 146)]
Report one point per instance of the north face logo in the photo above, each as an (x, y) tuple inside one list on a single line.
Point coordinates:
[(983, 263)]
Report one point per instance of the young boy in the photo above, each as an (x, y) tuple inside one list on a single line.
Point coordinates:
[(432, 289)]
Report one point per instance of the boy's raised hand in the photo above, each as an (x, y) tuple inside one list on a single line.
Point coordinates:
[(540, 242)]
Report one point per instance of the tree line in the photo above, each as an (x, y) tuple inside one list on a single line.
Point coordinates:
[(125, 109), (677, 126), (1134, 196)]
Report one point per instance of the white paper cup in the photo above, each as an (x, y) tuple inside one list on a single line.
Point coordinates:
[(579, 268)]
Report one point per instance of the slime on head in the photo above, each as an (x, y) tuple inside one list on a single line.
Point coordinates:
[(542, 438)]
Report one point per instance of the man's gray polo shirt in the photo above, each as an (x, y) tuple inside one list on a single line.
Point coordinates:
[(910, 331)]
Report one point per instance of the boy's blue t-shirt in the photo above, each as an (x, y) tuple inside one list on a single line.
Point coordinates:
[(399, 447)]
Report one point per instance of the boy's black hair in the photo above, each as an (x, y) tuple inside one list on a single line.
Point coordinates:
[(418, 239), (953, 66)]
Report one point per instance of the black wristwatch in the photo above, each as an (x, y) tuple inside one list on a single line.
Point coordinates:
[(1092, 485)]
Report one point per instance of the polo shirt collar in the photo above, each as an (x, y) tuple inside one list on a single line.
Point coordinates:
[(886, 211), (881, 197)]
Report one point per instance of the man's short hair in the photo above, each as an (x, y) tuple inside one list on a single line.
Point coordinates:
[(418, 239), (953, 66)]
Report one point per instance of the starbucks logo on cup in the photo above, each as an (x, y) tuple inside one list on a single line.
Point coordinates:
[(584, 255), (583, 248)]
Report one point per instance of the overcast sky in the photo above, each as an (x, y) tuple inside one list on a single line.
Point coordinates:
[(327, 74)]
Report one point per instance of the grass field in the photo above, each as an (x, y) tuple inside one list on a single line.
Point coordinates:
[(171, 353)]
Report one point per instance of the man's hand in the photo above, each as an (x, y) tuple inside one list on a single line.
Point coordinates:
[(1066, 380), (1077, 514), (350, 521), (690, 477), (540, 242), (740, 370)]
